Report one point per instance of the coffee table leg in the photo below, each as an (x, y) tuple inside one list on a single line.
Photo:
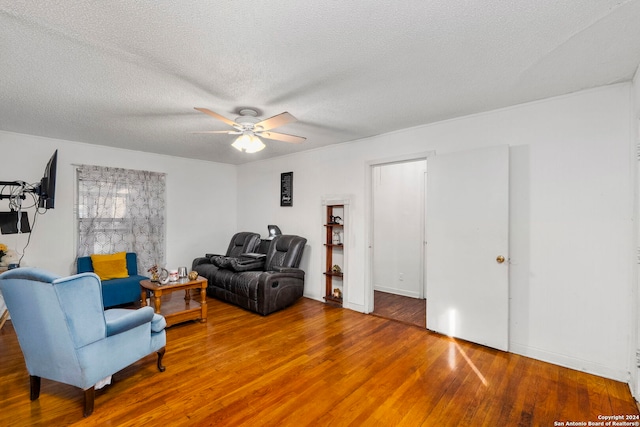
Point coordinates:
[(143, 297), (203, 304), (157, 300)]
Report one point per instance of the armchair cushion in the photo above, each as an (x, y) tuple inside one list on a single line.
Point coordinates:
[(111, 266)]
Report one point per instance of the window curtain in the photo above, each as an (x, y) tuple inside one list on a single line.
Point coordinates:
[(121, 210)]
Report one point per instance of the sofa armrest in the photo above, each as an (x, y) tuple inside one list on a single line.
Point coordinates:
[(289, 271), (253, 255), (132, 263), (120, 320), (158, 323), (199, 261), (84, 265)]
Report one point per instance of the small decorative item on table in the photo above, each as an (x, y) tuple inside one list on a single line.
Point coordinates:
[(163, 276), (193, 275), (154, 272), (173, 275)]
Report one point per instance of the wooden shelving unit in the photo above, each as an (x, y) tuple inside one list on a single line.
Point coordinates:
[(334, 247)]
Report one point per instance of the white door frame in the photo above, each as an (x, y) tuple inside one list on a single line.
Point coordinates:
[(635, 341), (370, 165)]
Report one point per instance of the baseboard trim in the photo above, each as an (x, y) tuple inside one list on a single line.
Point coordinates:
[(355, 307), (397, 292), (570, 362)]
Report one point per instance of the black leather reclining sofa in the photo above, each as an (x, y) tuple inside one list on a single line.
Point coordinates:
[(258, 275)]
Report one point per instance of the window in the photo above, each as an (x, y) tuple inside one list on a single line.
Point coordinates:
[(121, 210)]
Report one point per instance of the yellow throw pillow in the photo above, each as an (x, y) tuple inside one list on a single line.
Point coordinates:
[(112, 266)]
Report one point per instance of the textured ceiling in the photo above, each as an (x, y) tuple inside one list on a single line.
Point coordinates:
[(129, 73)]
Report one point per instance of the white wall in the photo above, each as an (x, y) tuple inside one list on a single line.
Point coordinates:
[(571, 217), (201, 213), (317, 175)]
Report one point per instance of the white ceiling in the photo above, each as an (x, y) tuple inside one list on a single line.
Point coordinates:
[(129, 73)]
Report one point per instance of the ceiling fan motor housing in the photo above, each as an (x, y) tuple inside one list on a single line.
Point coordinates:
[(247, 118)]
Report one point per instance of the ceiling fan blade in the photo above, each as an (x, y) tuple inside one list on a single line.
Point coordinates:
[(281, 137), (218, 116), (275, 121), (228, 132)]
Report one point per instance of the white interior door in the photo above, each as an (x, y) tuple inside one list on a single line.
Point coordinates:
[(467, 231)]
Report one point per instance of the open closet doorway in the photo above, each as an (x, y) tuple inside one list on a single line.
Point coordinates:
[(398, 218)]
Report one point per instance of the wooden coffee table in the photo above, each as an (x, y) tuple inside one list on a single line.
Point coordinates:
[(176, 313)]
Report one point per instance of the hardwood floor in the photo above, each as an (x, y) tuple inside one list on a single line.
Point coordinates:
[(408, 310), (316, 365)]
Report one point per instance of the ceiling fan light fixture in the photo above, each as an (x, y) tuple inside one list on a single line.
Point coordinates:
[(248, 142), (255, 145), (240, 142), (250, 128)]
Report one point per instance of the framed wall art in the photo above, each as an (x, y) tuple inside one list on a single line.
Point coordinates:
[(286, 189)]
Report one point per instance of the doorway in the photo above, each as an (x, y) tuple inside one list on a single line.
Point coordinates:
[(398, 212), (467, 258)]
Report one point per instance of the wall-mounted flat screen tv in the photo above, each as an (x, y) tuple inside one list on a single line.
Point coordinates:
[(47, 189)]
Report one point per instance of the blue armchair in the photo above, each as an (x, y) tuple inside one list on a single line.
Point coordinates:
[(66, 335)]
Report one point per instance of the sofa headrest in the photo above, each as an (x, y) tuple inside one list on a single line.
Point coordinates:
[(242, 243), (285, 251)]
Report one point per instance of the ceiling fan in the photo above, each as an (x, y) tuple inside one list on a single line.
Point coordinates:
[(250, 128)]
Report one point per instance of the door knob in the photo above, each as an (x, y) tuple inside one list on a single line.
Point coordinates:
[(500, 259)]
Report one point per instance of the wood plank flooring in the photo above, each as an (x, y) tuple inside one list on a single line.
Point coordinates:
[(408, 310), (316, 365)]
